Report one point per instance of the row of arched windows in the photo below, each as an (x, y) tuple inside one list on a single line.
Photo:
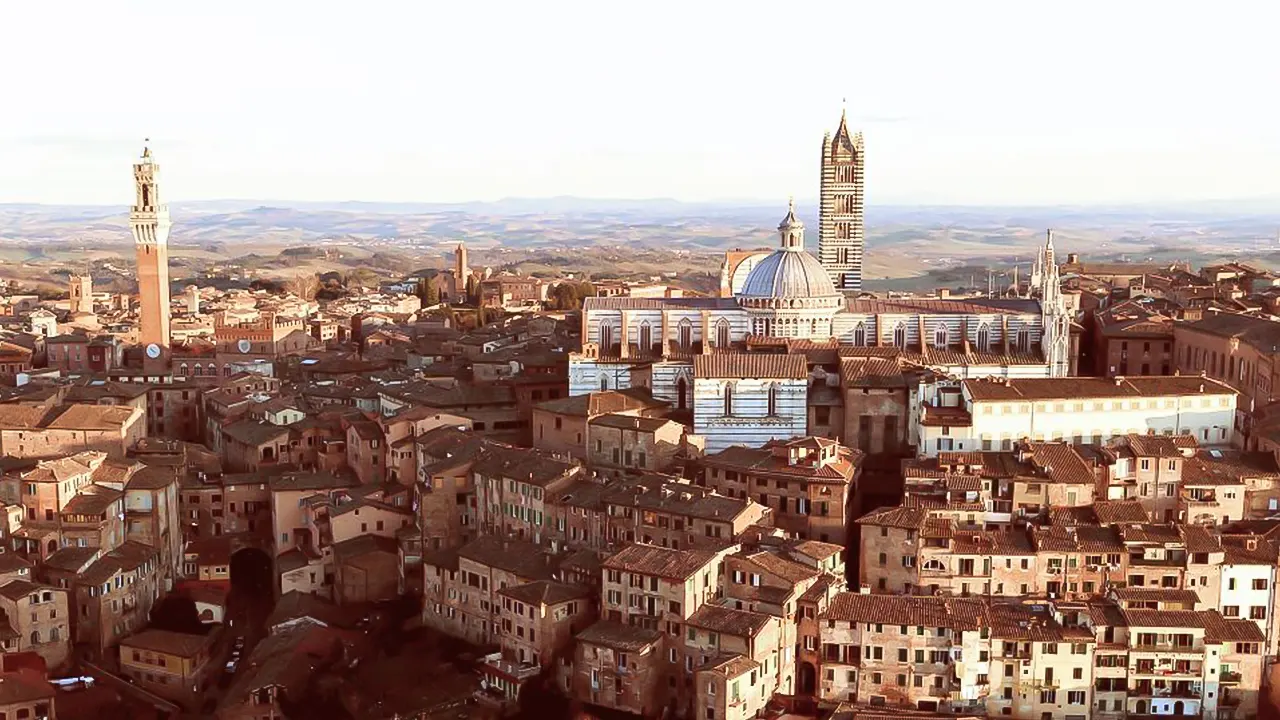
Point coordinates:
[(610, 336), (942, 337), (198, 370), (772, 399)]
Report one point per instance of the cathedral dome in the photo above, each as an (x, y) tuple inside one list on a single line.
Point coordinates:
[(789, 273)]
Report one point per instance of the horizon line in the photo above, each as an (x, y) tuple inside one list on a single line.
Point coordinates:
[(740, 202)]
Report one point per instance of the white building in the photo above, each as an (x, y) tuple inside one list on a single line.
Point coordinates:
[(749, 398), (994, 414), (1247, 584), (788, 300)]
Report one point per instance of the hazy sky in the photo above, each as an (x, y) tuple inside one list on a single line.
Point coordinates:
[(961, 102)]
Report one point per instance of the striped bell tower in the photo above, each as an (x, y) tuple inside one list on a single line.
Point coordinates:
[(840, 215)]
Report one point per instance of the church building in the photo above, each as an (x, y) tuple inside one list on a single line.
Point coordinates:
[(738, 364)]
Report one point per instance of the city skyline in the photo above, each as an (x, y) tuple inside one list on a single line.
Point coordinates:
[(1005, 105)]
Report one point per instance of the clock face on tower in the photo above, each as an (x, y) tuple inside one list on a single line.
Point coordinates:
[(243, 345), (153, 351)]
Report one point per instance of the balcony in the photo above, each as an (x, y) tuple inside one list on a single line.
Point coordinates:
[(1167, 647), (1165, 672), (1229, 677), (1189, 692)]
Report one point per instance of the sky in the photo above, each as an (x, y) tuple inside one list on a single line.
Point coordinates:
[(976, 102)]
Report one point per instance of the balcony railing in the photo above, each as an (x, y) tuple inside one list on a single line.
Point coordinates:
[(1166, 647), (1229, 677)]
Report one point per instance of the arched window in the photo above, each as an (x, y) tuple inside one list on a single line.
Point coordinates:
[(773, 400), (182, 369), (199, 370), (728, 399), (934, 564), (900, 335), (722, 333), (682, 394), (984, 337), (604, 382), (53, 634), (940, 337), (606, 338), (860, 334), (684, 333), (646, 338), (35, 637)]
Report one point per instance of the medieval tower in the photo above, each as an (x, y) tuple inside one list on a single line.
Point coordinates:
[(149, 221), (840, 218), (81, 294)]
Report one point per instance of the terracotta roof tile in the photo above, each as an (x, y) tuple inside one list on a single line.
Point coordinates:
[(935, 612), (750, 365), (648, 559)]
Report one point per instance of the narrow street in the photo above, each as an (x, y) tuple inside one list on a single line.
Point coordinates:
[(249, 604)]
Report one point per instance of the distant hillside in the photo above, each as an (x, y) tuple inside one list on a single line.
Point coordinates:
[(903, 241)]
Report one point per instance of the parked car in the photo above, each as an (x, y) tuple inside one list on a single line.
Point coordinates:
[(238, 645), (232, 665)]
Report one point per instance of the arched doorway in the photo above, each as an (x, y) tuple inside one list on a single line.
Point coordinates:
[(1141, 707), (808, 679), (682, 394), (1179, 708)]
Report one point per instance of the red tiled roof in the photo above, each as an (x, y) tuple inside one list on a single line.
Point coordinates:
[(750, 365)]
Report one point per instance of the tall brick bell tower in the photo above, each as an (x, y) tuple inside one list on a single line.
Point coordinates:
[(149, 221)]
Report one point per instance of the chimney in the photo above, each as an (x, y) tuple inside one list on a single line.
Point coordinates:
[(1119, 380), (864, 589)]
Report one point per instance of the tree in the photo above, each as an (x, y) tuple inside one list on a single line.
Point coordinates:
[(177, 613), (482, 317), (431, 294), (569, 295)]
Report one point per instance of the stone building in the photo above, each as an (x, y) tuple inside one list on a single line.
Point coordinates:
[(28, 694), (1133, 338), (621, 443), (619, 667), (38, 619), (173, 665), (561, 425), (809, 483), (538, 620), (1239, 351), (994, 414)]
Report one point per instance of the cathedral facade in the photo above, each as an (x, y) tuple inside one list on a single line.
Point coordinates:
[(704, 355)]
